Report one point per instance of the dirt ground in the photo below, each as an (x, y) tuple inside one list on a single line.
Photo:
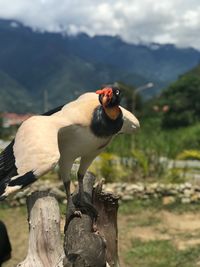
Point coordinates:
[(182, 229)]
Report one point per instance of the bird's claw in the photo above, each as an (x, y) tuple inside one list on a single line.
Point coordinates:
[(78, 213), (83, 205)]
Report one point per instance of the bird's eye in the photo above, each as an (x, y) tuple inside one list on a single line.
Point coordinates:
[(117, 92)]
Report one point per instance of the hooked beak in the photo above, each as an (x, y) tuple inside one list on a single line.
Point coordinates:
[(131, 123)]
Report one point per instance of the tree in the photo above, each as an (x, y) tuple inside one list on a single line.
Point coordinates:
[(182, 97)]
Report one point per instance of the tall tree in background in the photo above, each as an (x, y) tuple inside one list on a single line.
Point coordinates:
[(182, 97)]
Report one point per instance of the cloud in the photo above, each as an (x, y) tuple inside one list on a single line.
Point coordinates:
[(166, 21)]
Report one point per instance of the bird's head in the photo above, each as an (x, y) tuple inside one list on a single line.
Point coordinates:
[(109, 96)]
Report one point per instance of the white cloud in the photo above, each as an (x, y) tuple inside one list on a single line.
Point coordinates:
[(173, 21)]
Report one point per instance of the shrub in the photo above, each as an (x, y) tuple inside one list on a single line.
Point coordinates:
[(189, 154)]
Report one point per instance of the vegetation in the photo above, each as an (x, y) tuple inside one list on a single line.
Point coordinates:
[(181, 101), (160, 253), (189, 154), (140, 155), (170, 128)]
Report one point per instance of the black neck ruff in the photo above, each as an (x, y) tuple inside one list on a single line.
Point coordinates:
[(102, 125)]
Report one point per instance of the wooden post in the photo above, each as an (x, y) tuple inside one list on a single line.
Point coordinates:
[(107, 206), (45, 248), (83, 245)]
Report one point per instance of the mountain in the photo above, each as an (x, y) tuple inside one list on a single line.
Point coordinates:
[(154, 61), (66, 66), (13, 95)]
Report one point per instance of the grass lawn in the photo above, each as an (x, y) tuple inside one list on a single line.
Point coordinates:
[(150, 234)]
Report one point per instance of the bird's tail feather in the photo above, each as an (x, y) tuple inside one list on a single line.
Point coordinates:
[(10, 185)]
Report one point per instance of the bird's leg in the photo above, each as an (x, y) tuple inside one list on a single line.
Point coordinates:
[(82, 200), (80, 187), (71, 209), (67, 189)]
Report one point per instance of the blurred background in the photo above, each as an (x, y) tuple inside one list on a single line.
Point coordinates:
[(51, 51)]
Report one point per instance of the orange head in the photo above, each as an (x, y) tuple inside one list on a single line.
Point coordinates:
[(109, 96)]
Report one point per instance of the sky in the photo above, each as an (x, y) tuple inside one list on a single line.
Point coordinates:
[(136, 21)]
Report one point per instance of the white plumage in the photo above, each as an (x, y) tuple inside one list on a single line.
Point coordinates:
[(43, 141)]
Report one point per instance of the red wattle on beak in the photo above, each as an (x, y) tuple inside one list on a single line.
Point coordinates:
[(106, 91)]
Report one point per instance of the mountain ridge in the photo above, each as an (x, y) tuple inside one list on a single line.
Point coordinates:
[(68, 65)]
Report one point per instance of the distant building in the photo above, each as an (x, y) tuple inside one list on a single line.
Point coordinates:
[(13, 119)]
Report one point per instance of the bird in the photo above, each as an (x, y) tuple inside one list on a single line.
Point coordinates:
[(82, 128)]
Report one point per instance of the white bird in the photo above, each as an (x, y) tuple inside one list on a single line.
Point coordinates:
[(82, 128)]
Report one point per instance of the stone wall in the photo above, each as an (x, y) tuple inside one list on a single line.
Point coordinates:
[(167, 193)]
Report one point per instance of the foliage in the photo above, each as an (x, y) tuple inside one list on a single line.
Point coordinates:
[(152, 139), (109, 166), (189, 154), (182, 98), (147, 164), (175, 175), (151, 143)]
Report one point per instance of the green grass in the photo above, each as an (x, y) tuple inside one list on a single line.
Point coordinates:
[(155, 205), (160, 253), (147, 220)]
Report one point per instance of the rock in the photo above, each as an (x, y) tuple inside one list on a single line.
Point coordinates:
[(194, 198), (185, 200), (168, 193), (134, 188), (127, 198), (64, 201), (22, 201), (168, 200), (188, 185), (187, 192)]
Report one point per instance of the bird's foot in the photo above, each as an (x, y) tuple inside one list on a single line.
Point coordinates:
[(83, 204), (72, 211)]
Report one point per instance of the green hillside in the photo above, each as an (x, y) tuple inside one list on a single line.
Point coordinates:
[(12, 95), (76, 76), (182, 98)]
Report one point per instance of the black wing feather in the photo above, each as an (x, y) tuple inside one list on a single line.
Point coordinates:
[(52, 111), (7, 162)]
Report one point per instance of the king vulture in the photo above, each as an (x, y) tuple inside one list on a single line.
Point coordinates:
[(82, 128)]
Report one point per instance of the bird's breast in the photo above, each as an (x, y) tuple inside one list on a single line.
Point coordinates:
[(80, 141)]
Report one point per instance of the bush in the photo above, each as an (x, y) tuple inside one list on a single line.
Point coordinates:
[(110, 167), (189, 154)]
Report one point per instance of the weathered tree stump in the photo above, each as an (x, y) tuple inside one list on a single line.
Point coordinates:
[(83, 245), (107, 206), (45, 247)]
